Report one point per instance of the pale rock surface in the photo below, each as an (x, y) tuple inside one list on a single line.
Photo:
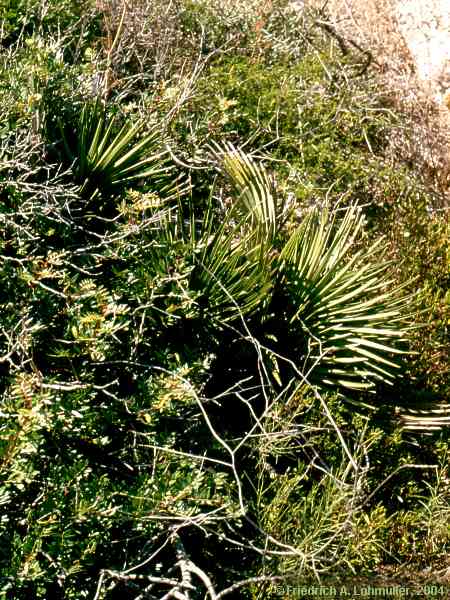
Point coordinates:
[(425, 27), (406, 36)]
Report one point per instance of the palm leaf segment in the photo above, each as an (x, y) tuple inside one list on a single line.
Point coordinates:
[(256, 198), (349, 316)]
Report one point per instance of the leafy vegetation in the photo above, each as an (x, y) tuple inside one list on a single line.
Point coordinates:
[(223, 308)]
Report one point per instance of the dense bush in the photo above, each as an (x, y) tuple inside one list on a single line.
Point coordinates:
[(198, 343)]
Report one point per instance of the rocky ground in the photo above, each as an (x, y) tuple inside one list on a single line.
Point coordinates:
[(414, 33), (425, 27), (410, 44)]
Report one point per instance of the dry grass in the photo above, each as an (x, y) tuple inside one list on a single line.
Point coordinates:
[(146, 35)]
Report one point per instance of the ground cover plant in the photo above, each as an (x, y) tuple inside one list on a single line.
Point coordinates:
[(223, 308)]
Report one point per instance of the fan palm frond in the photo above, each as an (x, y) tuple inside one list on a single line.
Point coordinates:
[(105, 161), (224, 279), (353, 317), (356, 318), (429, 418)]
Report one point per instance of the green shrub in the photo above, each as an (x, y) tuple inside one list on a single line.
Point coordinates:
[(169, 339), (26, 17), (294, 111)]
